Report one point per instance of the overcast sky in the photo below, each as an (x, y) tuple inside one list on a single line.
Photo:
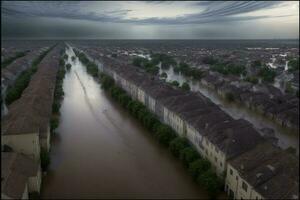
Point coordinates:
[(150, 20)]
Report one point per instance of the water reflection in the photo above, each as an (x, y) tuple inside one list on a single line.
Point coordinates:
[(101, 152)]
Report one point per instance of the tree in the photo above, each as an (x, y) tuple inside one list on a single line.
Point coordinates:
[(185, 86), (256, 63), (142, 112), (55, 107), (229, 96), (92, 69), (65, 56), (178, 144), (291, 150), (289, 89), (252, 79), (164, 134), (210, 181), (164, 75), (107, 81), (198, 166), (139, 61), (54, 122), (14, 92), (124, 100), (188, 155), (267, 74), (150, 120), (153, 70), (175, 83), (176, 69), (45, 159), (293, 65), (209, 60), (11, 59), (68, 66)]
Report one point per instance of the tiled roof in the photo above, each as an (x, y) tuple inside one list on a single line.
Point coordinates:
[(31, 113)]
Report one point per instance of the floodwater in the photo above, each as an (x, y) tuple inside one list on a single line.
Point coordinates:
[(285, 137), (4, 109), (100, 151)]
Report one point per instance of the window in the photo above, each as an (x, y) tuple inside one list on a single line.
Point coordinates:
[(221, 164), (230, 171), (216, 159), (244, 186), (237, 178)]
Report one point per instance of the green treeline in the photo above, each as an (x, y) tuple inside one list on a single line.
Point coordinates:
[(228, 69), (11, 59), (57, 98), (267, 74), (199, 168), (58, 95), (293, 65), (15, 91), (149, 66), (166, 60), (188, 71), (91, 67)]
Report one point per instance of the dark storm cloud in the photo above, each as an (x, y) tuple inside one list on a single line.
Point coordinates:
[(204, 19), (192, 20), (221, 8), (214, 11)]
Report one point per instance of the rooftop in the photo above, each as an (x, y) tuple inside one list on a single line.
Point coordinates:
[(272, 172), (15, 171)]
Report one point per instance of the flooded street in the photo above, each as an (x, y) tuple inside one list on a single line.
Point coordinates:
[(100, 151), (285, 137)]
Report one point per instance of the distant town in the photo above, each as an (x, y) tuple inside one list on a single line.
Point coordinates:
[(228, 110)]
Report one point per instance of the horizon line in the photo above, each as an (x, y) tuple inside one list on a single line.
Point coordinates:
[(142, 39)]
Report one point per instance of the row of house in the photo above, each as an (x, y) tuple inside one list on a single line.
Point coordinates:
[(13, 70), (265, 99), (215, 135), (26, 128), (10, 73)]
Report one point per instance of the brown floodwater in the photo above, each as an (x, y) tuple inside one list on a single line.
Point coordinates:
[(100, 151)]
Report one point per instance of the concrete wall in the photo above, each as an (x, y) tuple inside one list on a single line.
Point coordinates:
[(194, 137), (151, 104), (34, 182), (174, 121), (29, 144), (234, 182), (141, 96), (25, 194), (215, 156), (231, 181), (45, 141)]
